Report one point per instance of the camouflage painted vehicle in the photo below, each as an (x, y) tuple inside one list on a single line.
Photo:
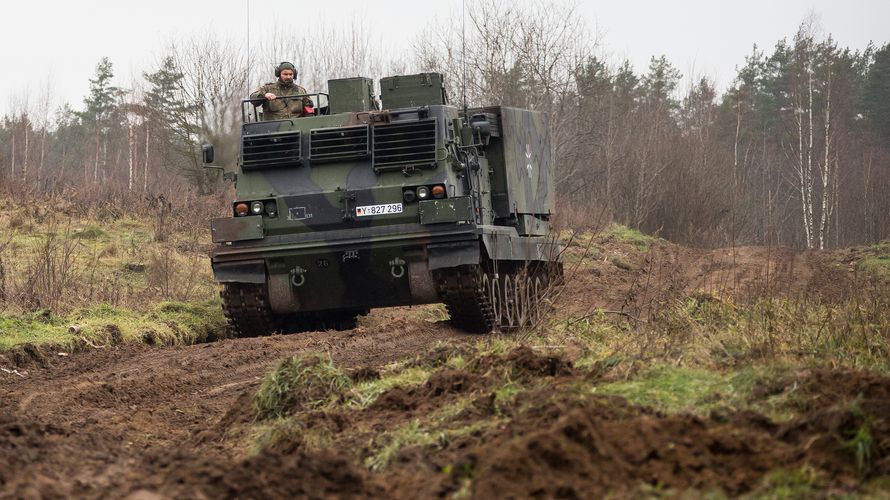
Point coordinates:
[(353, 207)]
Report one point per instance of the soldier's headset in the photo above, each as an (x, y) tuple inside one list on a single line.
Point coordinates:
[(278, 68)]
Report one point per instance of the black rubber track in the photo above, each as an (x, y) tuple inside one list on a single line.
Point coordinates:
[(246, 307), (466, 299)]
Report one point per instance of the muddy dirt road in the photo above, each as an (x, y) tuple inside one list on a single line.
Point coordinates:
[(95, 422)]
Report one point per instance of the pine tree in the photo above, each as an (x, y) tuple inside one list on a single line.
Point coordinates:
[(876, 98), (100, 103), (99, 108)]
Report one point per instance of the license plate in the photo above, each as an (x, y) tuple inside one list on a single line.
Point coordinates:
[(389, 208)]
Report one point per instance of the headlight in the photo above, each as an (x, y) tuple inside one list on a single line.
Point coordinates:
[(423, 193), (271, 209), (256, 207)]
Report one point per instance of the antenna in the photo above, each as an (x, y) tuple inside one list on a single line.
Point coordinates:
[(463, 52), (247, 76)]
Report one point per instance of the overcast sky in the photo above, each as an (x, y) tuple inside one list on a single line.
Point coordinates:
[(58, 43)]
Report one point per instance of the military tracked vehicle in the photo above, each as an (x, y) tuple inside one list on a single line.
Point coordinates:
[(356, 206)]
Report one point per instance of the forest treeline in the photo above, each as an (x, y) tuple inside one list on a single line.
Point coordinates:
[(795, 151)]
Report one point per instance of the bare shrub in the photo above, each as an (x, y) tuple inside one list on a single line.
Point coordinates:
[(3, 247), (173, 278), (162, 211), (52, 272)]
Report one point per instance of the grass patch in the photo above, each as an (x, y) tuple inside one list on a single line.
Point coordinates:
[(364, 393), (765, 389), (166, 323), (387, 446), (630, 236), (69, 263), (804, 482), (876, 266), (91, 232), (620, 263), (673, 390), (288, 433), (299, 383)]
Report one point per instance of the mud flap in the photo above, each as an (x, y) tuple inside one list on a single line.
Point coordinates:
[(250, 271), (528, 248), (453, 254), (228, 229)]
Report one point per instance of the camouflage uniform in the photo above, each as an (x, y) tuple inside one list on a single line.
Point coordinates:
[(281, 109)]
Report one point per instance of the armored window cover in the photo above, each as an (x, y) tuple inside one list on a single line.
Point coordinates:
[(338, 144), (271, 150), (402, 144)]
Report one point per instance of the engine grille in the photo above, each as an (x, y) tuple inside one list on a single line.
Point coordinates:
[(273, 150), (402, 144), (338, 144)]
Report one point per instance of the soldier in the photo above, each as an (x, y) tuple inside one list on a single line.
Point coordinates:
[(280, 109)]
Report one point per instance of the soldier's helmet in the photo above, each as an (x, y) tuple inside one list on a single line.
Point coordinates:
[(283, 66)]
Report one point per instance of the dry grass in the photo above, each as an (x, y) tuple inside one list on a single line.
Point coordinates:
[(58, 259)]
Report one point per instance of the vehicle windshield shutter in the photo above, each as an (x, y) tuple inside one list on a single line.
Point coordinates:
[(273, 150), (401, 145), (338, 144)]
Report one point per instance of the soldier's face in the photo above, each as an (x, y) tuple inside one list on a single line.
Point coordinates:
[(287, 76)]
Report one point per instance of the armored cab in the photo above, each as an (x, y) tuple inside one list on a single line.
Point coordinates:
[(358, 205)]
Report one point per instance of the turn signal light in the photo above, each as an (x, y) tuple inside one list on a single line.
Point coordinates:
[(438, 191), (241, 209)]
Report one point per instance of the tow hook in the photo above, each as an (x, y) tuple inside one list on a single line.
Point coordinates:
[(397, 267), (297, 276)]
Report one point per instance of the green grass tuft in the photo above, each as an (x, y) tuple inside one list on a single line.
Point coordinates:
[(783, 484), (630, 236), (167, 323), (91, 232), (364, 393), (672, 389), (877, 266), (860, 446), (300, 383), (620, 263)]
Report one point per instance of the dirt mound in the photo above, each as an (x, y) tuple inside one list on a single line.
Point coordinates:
[(363, 374), (521, 362), (582, 454), (480, 375), (527, 363), (448, 381), (267, 475), (444, 384), (20, 444), (846, 423), (396, 399)]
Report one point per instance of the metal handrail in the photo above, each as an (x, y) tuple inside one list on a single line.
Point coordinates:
[(248, 112)]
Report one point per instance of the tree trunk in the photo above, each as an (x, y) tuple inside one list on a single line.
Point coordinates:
[(12, 160), (25, 160), (825, 171), (96, 164), (42, 157), (145, 163), (131, 154)]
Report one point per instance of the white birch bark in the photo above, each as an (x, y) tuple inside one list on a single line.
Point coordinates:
[(145, 162), (25, 165), (825, 170), (131, 154)]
